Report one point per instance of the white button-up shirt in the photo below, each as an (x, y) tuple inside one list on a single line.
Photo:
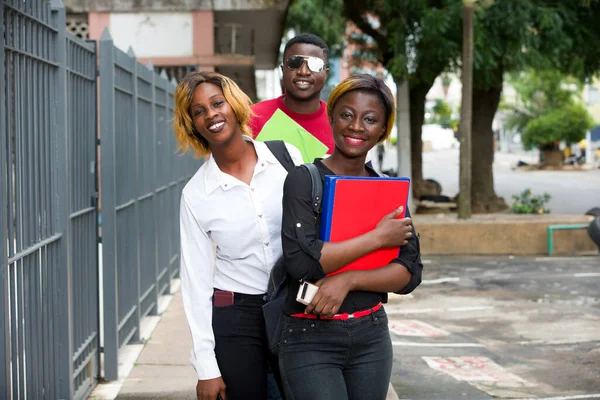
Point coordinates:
[(244, 223)]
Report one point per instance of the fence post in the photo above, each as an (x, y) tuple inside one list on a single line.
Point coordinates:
[(4, 365), (138, 315), (61, 205), (108, 193), (152, 139), (167, 172), (176, 172)]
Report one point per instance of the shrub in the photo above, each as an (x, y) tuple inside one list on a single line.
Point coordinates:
[(527, 203), (568, 124)]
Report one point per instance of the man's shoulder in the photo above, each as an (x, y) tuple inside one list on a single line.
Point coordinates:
[(265, 106)]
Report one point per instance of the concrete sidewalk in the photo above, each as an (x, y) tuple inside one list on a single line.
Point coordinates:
[(162, 370)]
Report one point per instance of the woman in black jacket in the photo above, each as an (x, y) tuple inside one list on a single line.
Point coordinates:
[(339, 347)]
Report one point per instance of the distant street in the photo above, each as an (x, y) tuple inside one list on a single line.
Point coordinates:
[(482, 328), (573, 192)]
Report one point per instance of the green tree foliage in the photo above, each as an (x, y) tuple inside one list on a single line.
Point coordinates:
[(516, 35), (569, 123), (539, 92), (415, 40), (420, 39), (321, 17), (547, 108)]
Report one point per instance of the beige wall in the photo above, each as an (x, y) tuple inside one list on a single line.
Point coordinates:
[(165, 39), (98, 21)]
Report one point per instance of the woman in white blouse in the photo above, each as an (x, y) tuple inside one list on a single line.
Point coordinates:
[(230, 236)]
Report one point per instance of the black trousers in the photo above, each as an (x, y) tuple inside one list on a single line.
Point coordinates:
[(241, 348)]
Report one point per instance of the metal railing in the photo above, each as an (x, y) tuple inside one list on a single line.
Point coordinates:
[(141, 181), (50, 280)]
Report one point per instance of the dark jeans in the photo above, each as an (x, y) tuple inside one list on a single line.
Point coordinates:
[(324, 360), (241, 348)]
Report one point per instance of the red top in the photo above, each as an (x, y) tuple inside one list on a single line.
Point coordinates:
[(316, 123)]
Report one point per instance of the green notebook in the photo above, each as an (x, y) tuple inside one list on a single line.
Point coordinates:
[(281, 127)]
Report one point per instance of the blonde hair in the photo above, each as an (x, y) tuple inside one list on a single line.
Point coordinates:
[(370, 84), (185, 132)]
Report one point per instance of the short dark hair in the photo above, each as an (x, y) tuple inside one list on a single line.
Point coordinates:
[(308, 38)]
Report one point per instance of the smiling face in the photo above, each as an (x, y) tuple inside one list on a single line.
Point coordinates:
[(303, 84), (212, 115), (358, 121)]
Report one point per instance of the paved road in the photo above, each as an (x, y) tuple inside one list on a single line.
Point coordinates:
[(573, 192), (482, 328)]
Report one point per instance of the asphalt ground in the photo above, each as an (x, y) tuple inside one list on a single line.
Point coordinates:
[(501, 327), (572, 192)]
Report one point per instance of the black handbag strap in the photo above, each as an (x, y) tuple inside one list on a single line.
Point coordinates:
[(281, 153), (317, 187)]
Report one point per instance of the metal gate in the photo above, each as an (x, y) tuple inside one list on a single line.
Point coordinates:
[(48, 230), (51, 285), (141, 179)]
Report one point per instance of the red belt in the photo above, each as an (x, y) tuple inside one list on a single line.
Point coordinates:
[(343, 316)]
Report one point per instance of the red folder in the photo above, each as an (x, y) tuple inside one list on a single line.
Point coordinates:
[(354, 205)]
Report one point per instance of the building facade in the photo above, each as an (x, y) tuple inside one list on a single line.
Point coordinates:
[(235, 38)]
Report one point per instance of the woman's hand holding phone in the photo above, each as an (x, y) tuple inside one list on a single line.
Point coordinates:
[(332, 292)]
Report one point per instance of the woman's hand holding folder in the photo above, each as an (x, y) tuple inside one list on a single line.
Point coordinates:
[(394, 232), (389, 232), (333, 290)]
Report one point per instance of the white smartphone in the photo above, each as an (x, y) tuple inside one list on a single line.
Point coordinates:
[(306, 292)]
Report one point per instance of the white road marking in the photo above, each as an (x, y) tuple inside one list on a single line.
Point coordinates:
[(439, 280), (411, 344), (425, 262), (563, 258), (442, 310), (554, 342), (391, 394), (473, 369), (469, 308), (415, 328), (585, 275), (575, 397)]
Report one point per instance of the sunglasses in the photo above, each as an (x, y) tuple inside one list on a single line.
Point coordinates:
[(315, 64)]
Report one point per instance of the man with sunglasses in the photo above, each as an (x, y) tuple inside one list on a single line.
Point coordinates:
[(304, 74)]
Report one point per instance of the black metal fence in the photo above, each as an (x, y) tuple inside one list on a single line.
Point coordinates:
[(50, 276)]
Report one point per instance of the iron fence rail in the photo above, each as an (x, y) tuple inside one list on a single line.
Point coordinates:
[(33, 237), (50, 279), (141, 181)]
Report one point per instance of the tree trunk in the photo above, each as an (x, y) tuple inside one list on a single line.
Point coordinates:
[(403, 129), (403, 144), (418, 93), (483, 196), (466, 156)]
